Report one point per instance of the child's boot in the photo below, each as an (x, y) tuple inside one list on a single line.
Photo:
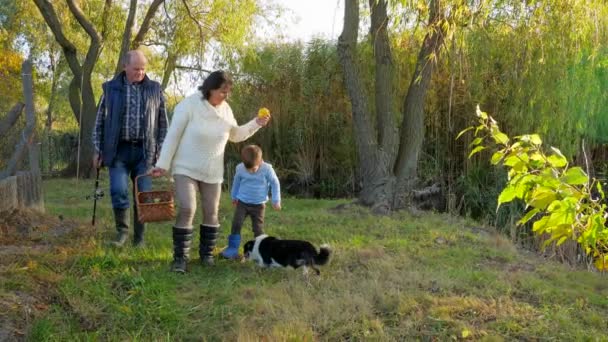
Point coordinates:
[(232, 251)]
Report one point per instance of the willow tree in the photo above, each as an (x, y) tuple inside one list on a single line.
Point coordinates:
[(186, 29), (388, 156)]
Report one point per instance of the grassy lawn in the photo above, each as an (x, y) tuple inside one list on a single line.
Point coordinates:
[(396, 278)]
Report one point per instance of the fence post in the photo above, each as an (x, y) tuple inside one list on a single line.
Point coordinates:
[(34, 198), (30, 114)]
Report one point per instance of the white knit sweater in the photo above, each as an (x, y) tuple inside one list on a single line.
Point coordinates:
[(195, 143)]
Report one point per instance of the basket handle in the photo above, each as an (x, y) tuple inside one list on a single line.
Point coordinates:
[(147, 174), (136, 187)]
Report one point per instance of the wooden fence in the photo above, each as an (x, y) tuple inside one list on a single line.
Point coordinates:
[(21, 189)]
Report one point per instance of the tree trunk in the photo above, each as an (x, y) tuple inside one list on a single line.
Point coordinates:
[(367, 146), (388, 167), (54, 84), (376, 159), (386, 128), (30, 115), (412, 128), (88, 108), (170, 65), (71, 54), (48, 126), (126, 36)]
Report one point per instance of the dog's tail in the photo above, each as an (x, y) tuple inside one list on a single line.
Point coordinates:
[(323, 257)]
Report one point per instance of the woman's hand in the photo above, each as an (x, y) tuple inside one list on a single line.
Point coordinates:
[(157, 172), (262, 121)]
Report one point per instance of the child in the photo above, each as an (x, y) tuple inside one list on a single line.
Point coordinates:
[(252, 180)]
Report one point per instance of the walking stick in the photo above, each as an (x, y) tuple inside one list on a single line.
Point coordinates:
[(97, 194)]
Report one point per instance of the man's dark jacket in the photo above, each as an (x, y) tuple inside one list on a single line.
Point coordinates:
[(115, 97)]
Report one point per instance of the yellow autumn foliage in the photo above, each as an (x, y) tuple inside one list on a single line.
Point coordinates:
[(10, 78)]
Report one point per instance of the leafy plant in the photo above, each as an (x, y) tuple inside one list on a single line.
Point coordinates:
[(567, 204)]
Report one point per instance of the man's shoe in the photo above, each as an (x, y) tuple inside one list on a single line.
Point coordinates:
[(121, 218), (138, 231), (120, 240)]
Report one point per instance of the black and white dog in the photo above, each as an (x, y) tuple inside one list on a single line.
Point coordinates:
[(268, 251)]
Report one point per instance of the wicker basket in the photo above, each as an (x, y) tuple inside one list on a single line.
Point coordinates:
[(154, 206)]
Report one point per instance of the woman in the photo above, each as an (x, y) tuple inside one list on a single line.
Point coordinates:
[(194, 151)]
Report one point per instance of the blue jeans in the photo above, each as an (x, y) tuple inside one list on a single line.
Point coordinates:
[(129, 163)]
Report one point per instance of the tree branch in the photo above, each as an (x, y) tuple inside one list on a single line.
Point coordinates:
[(26, 139), (347, 47), (11, 118), (192, 68), (145, 25), (69, 49), (106, 13), (372, 164), (94, 48), (412, 127), (86, 24), (126, 36), (168, 70), (198, 24), (387, 135)]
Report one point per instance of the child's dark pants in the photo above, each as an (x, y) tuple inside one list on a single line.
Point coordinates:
[(256, 211)]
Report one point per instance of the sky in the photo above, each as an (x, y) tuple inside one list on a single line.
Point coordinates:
[(305, 19)]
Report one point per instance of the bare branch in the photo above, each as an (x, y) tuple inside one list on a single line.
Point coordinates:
[(145, 25), (186, 67), (86, 24), (198, 24)]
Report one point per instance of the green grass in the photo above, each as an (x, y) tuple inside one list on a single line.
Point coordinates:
[(395, 278)]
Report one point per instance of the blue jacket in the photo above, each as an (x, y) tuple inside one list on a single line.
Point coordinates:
[(114, 112), (252, 188)]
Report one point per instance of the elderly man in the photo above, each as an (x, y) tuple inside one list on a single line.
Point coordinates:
[(129, 130)]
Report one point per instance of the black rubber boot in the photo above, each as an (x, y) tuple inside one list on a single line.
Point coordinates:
[(139, 229), (121, 217), (208, 239), (182, 238)]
